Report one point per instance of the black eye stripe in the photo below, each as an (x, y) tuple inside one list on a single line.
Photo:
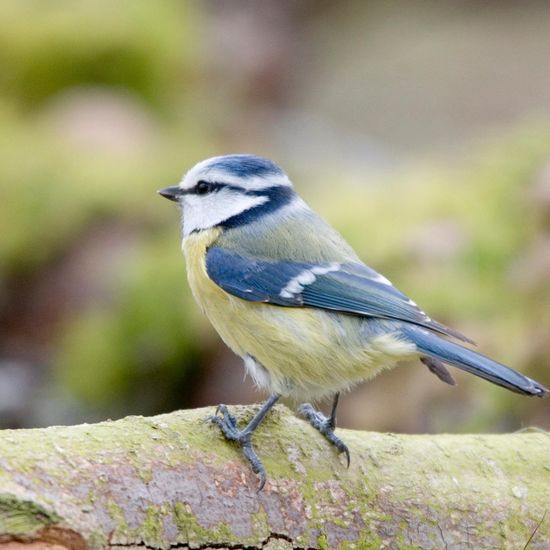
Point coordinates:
[(203, 187)]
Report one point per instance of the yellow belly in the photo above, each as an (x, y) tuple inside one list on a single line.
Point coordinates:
[(307, 353)]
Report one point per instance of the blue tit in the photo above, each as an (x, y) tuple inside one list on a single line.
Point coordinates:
[(290, 296)]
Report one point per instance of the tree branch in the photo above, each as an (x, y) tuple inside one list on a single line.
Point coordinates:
[(172, 481)]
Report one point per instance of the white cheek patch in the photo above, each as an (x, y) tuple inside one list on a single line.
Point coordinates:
[(307, 277), (206, 211)]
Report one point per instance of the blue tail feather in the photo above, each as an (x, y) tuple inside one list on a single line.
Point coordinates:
[(473, 362)]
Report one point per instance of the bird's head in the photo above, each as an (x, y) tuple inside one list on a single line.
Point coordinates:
[(229, 191)]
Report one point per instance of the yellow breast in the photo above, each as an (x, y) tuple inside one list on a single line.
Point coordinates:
[(194, 249), (308, 353)]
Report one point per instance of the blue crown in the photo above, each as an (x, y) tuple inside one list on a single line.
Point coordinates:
[(246, 166)]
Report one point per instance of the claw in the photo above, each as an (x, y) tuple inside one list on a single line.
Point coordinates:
[(255, 463), (228, 425), (325, 425)]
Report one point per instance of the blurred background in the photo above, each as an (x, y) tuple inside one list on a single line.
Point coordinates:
[(420, 129)]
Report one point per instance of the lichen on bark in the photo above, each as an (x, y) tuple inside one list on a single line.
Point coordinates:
[(172, 481)]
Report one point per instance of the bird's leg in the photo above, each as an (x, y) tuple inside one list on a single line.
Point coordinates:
[(325, 425), (230, 429)]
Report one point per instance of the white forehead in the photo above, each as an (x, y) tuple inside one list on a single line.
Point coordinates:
[(247, 171)]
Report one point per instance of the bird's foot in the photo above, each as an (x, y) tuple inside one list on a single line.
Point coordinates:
[(324, 425), (230, 429)]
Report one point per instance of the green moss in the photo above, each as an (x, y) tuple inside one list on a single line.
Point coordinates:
[(260, 523), (187, 524), (152, 529), (117, 515), (357, 501), (368, 544), (20, 517), (323, 542)]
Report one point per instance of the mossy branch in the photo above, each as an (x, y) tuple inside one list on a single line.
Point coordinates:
[(171, 481)]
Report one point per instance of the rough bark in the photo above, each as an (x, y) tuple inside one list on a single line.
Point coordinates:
[(171, 481)]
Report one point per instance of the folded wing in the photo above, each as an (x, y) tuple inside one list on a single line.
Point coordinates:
[(351, 288)]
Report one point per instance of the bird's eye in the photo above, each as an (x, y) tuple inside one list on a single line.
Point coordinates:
[(203, 187)]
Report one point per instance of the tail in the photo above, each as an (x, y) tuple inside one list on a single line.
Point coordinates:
[(473, 362)]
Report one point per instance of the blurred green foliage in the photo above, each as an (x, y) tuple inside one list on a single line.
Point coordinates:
[(150, 335), (46, 47), (59, 184)]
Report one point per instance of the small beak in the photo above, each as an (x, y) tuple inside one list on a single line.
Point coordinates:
[(172, 193)]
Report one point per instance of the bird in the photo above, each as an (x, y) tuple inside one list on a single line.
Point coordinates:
[(289, 295)]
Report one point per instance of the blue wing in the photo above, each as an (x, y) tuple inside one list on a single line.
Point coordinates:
[(350, 288)]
